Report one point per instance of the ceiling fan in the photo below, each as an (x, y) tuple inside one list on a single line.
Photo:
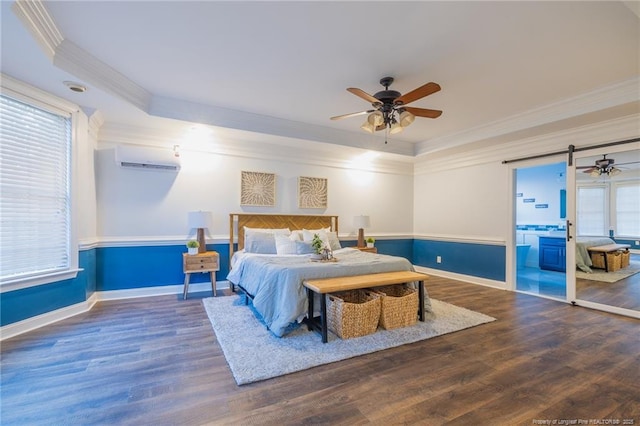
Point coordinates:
[(603, 166), (389, 107)]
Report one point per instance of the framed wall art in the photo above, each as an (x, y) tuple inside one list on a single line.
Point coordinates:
[(258, 189), (312, 193)]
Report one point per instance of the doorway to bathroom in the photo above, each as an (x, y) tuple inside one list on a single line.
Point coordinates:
[(540, 234)]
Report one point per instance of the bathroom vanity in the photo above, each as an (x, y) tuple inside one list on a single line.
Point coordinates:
[(552, 253)]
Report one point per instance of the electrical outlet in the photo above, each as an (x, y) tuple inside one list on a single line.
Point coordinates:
[(438, 259)]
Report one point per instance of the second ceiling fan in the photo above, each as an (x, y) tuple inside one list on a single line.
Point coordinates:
[(389, 107)]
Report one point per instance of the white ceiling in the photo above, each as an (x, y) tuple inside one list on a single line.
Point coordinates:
[(279, 70)]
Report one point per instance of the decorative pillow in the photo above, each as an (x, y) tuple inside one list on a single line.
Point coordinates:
[(303, 248), (260, 242), (332, 238), (307, 234), (284, 245), (296, 236)]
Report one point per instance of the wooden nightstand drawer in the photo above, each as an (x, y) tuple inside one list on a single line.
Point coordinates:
[(201, 262)]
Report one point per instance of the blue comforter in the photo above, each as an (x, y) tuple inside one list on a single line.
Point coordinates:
[(276, 281)]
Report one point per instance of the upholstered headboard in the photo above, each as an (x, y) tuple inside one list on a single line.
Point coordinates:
[(237, 222)]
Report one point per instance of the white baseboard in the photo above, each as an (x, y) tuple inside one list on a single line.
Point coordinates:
[(501, 285), (159, 290), (30, 324)]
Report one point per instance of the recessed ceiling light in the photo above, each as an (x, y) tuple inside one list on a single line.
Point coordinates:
[(76, 87)]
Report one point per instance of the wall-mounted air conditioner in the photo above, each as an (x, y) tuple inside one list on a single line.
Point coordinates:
[(143, 158)]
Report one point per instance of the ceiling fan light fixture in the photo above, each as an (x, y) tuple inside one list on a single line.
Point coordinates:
[(375, 118), (395, 128), (614, 171), (595, 173), (368, 127), (406, 118)]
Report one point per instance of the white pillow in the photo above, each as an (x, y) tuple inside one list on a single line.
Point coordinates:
[(296, 236), (307, 234), (285, 245), (332, 238)]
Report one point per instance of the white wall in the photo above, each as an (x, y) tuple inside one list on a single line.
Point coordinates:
[(464, 203), (147, 205)]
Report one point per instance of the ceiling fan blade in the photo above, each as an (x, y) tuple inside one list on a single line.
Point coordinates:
[(364, 95), (589, 170), (423, 112), (353, 114), (418, 93)]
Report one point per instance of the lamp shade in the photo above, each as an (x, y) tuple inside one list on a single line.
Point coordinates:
[(361, 221), (406, 118), (375, 118), (368, 127), (396, 128), (200, 219)]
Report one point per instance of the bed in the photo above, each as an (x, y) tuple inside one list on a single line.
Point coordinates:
[(274, 281), (583, 260)]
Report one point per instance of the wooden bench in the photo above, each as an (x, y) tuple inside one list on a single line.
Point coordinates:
[(609, 248), (330, 285)]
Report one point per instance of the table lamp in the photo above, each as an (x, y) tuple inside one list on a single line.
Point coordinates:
[(200, 220), (361, 222)]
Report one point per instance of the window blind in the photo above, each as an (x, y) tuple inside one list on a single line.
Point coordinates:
[(592, 210), (35, 149), (628, 210)]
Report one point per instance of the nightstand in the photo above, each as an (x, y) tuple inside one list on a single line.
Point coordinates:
[(368, 249), (208, 261)]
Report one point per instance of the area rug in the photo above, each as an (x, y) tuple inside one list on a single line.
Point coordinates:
[(254, 353), (610, 277)]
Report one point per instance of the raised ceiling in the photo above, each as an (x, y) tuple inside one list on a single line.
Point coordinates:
[(274, 71)]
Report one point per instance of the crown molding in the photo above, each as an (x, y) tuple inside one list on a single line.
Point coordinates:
[(77, 61), (96, 120), (36, 19), (609, 131), (69, 57), (600, 99)]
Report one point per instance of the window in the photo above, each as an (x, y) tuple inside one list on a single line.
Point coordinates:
[(35, 206), (628, 209), (592, 210)]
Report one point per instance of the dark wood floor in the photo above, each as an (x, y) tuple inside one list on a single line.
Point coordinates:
[(623, 294), (156, 361)]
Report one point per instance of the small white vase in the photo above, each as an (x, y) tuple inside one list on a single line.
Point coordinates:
[(369, 245), (192, 250)]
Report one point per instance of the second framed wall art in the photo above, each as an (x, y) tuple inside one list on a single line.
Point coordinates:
[(312, 193)]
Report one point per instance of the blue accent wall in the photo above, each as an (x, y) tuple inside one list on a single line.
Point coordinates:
[(29, 302), (122, 268), (479, 260), (396, 247)]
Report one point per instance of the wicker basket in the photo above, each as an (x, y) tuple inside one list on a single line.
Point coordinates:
[(625, 258), (353, 313), (614, 260), (399, 306)]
